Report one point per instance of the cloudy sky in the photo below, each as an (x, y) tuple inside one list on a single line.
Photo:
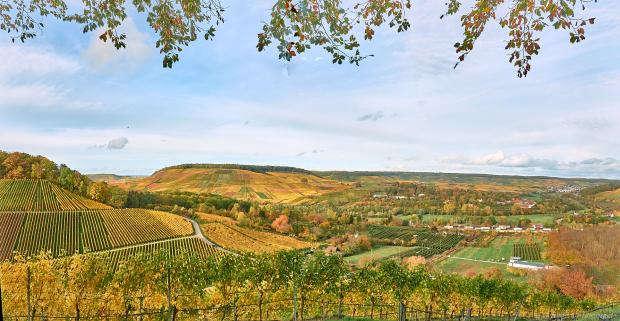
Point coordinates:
[(74, 99)]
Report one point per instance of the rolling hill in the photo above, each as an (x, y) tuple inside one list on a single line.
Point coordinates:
[(261, 183), (481, 182), (37, 215)]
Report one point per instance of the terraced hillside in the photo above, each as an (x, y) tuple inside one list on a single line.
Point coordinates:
[(247, 183), (245, 240), (69, 232), (40, 195)]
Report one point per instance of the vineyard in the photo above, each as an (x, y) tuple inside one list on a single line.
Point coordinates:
[(249, 241), (69, 232), (183, 246), (421, 237), (528, 252), (41, 195)]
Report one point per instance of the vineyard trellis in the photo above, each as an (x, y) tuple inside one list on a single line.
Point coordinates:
[(164, 286), (30, 195), (427, 243), (529, 252), (69, 232)]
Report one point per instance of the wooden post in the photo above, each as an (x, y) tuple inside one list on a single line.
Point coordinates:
[(340, 298), (1, 311), (517, 313), (294, 302), (402, 312), (140, 317), (169, 297), (28, 291)]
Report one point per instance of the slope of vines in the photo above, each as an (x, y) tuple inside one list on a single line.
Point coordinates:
[(176, 247), (69, 232), (30, 195)]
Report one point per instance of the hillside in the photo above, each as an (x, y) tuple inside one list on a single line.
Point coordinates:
[(482, 182), (63, 232), (270, 184), (41, 195)]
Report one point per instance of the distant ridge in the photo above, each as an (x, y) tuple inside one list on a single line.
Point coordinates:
[(263, 169)]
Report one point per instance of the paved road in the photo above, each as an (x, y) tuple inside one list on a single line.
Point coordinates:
[(197, 234)]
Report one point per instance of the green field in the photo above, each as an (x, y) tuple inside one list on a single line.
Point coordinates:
[(378, 253), (475, 260), (612, 312)]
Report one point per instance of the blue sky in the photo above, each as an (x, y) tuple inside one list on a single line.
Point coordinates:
[(68, 96)]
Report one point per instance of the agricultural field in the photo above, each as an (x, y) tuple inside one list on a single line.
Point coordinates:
[(512, 220), (175, 247), (69, 232), (379, 253), (474, 260), (213, 218), (245, 240), (40, 195), (528, 252), (245, 184), (418, 237)]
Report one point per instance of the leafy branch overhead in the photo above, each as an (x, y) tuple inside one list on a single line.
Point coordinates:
[(294, 27)]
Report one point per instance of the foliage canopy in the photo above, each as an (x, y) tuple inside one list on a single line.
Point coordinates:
[(295, 26)]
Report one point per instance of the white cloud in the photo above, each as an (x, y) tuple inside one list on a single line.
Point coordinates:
[(101, 54), (33, 62), (528, 164), (490, 159), (118, 143)]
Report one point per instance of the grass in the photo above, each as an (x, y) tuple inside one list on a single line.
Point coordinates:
[(377, 254), (612, 312), (495, 256)]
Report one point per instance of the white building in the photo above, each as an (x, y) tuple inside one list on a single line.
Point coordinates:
[(515, 262)]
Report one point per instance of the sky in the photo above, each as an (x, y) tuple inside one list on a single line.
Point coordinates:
[(70, 97)]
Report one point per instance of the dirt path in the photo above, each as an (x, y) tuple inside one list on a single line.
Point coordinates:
[(474, 260)]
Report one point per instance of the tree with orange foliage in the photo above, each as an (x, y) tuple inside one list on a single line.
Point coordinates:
[(569, 281), (281, 224)]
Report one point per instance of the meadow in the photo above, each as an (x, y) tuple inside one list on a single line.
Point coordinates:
[(473, 260)]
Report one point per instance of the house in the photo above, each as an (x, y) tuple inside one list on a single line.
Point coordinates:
[(546, 229), (523, 203), (609, 214), (537, 226), (448, 227), (517, 229), (517, 263)]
